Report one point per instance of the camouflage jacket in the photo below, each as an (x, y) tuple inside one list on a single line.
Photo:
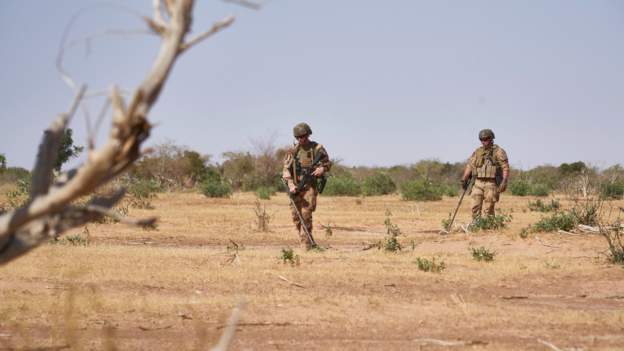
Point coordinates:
[(300, 158), (484, 162)]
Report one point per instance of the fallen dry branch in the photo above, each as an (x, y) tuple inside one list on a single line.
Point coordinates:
[(438, 342), (49, 211), (545, 244), (550, 345), (290, 282)]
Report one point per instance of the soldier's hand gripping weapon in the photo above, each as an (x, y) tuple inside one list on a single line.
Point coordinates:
[(303, 225), (466, 189), (308, 178)]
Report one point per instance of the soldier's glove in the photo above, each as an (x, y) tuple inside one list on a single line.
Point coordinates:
[(503, 186), (464, 184)]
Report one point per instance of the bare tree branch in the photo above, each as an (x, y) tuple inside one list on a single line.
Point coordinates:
[(49, 211), (246, 3), (217, 27)]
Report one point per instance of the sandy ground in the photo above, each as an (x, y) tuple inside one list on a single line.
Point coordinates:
[(174, 287)]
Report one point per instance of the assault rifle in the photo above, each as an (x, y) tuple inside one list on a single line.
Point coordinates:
[(307, 177)]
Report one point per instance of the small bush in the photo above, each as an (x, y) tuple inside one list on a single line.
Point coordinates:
[(519, 188), (614, 234), (427, 265), (540, 206), (540, 190), (342, 185), (265, 192), (81, 239), (482, 254), (612, 190), (587, 211), (391, 243), (142, 192), (490, 222), (289, 256), (19, 196), (559, 220), (215, 188), (421, 190), (378, 184)]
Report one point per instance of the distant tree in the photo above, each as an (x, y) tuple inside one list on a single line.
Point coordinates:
[(2, 163), (67, 150), (572, 168)]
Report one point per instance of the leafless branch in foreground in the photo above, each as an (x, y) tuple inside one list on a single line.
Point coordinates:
[(49, 211)]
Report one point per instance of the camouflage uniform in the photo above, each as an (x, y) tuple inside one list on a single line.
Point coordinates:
[(298, 160), (487, 164)]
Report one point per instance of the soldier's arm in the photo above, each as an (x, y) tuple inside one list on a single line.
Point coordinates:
[(469, 167), (325, 162), (503, 161), (287, 169)]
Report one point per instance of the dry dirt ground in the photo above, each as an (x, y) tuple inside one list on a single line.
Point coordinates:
[(174, 287)]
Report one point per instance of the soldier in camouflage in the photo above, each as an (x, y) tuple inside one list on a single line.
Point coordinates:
[(299, 161), (490, 166)]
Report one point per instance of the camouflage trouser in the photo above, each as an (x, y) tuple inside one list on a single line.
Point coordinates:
[(484, 192), (306, 204)]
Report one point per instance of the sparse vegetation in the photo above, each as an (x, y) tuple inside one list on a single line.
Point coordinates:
[(427, 265), (614, 235), (495, 222), (482, 254), (540, 206), (215, 188), (378, 184), (421, 190), (391, 242), (557, 221), (265, 192), (342, 185), (289, 256)]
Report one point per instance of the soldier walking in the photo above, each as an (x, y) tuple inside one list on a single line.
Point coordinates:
[(490, 166), (303, 165)]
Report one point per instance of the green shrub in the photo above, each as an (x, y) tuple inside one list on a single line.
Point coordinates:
[(391, 242), (519, 188), (19, 196), (540, 206), (378, 184), (343, 185), (265, 192), (215, 188), (540, 190), (482, 254), (289, 256), (490, 222), (421, 190), (427, 265), (587, 211), (612, 190), (559, 220)]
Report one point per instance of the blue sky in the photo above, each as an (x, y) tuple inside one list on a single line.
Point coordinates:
[(381, 82)]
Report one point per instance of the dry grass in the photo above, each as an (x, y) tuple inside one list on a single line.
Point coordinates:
[(172, 288)]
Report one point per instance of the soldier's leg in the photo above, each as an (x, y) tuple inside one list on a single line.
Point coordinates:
[(298, 200), (307, 208), (477, 198), (490, 197)]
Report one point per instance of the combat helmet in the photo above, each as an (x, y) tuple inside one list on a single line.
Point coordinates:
[(485, 134), (302, 129)]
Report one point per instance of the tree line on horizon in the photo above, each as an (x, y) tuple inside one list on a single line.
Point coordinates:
[(171, 167)]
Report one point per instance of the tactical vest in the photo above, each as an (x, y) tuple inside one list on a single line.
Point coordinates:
[(303, 158), (485, 163)]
